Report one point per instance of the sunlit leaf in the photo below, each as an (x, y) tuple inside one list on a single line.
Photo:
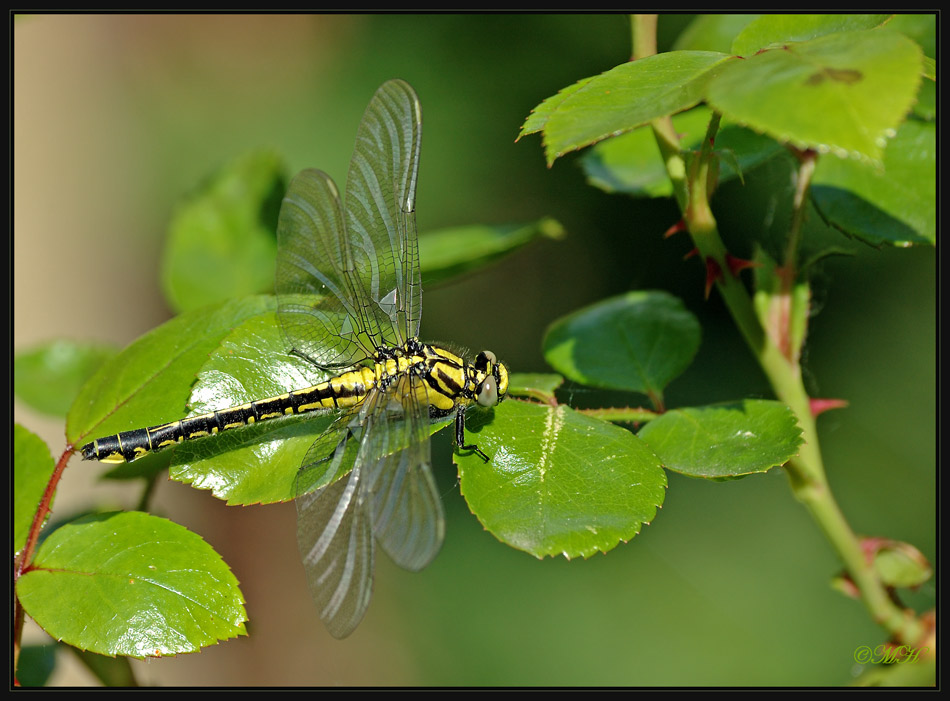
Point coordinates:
[(149, 382), (623, 99), (843, 93), (131, 584), (558, 482), (770, 30), (725, 440), (258, 463)]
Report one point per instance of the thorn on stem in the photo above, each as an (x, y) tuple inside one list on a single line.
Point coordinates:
[(713, 274), (737, 265), (675, 229), (819, 406)]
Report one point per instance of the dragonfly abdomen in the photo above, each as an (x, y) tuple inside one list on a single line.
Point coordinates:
[(341, 391)]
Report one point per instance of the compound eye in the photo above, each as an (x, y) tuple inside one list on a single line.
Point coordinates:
[(488, 392), (483, 359)]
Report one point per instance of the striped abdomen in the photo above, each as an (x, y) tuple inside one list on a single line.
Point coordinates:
[(447, 383), (338, 392)]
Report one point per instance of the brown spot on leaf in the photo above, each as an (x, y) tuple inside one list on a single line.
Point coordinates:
[(848, 76)]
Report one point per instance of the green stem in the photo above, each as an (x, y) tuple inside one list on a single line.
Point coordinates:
[(806, 472), (642, 35)]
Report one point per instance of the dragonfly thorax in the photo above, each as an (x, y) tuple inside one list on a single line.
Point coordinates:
[(448, 381)]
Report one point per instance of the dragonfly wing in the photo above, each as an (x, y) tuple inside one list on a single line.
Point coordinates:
[(334, 522), (408, 520), (380, 213), (318, 309), (336, 544)]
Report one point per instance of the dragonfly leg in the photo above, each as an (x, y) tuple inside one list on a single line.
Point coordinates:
[(460, 434)]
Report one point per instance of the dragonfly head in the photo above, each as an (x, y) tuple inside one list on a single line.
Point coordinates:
[(491, 378)]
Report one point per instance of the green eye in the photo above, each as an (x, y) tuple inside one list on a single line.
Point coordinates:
[(488, 392)]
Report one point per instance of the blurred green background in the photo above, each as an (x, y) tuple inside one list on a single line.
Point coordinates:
[(116, 117)]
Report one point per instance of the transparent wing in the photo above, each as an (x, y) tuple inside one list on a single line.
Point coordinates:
[(380, 213), (389, 494), (334, 526), (408, 520), (365, 264), (336, 545), (318, 308)]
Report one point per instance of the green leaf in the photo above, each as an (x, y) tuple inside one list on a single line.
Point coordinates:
[(922, 28), (35, 664), (539, 116), (844, 93), (637, 342), (559, 482), (131, 584), (448, 253), (771, 30), (926, 105), (631, 163), (712, 32), (149, 382), (896, 205), (221, 240), (32, 469), (259, 463), (539, 386), (48, 376), (624, 98), (725, 440)]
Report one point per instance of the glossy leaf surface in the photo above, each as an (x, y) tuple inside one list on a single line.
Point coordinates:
[(131, 584), (558, 482), (638, 342), (724, 440)]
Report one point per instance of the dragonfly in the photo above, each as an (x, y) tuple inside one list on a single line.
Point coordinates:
[(349, 302)]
